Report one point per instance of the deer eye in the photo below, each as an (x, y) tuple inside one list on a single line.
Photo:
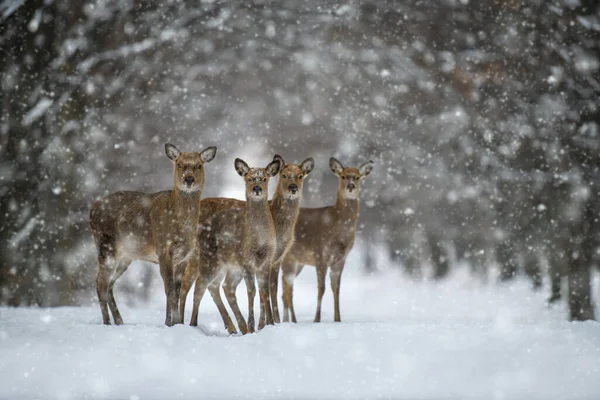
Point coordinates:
[(300, 177), (179, 166), (264, 179), (249, 180), (199, 166), (343, 177), (284, 176)]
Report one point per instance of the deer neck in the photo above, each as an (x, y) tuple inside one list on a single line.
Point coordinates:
[(285, 213), (258, 217), (186, 205), (347, 210)]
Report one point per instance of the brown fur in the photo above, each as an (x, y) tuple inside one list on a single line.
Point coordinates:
[(323, 238), (158, 227), (236, 239)]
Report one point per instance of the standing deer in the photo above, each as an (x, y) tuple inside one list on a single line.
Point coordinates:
[(323, 238), (159, 228), (236, 239), (285, 207)]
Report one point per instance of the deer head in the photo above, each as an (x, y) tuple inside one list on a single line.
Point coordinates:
[(188, 173), (257, 179), (291, 177), (349, 178)]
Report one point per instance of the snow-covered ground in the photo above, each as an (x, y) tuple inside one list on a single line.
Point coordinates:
[(399, 339)]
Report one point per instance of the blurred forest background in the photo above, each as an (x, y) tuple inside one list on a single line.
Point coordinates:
[(482, 118)]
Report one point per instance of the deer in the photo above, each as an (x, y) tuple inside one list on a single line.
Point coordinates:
[(285, 207), (236, 240), (156, 227), (323, 238)]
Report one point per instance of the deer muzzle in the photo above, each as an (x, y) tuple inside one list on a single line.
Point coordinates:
[(189, 180), (257, 190), (293, 188)]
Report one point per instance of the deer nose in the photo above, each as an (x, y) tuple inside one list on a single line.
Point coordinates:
[(293, 188), (257, 190), (351, 186), (189, 180)]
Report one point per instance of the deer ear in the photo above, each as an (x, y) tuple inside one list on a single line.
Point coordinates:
[(172, 152), (308, 165), (273, 168), (241, 167), (278, 157), (208, 154), (366, 168), (336, 166)]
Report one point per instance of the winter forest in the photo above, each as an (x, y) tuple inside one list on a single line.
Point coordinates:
[(482, 119)]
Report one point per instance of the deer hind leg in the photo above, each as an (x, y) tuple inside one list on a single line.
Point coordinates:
[(102, 282), (336, 277), (106, 265), (206, 276), (266, 317), (189, 276), (215, 293), (121, 266), (273, 276), (229, 286), (321, 272)]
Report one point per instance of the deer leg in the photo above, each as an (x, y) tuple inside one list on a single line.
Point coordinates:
[(321, 271), (251, 289), (105, 266), (178, 273), (202, 282), (231, 283), (189, 276), (288, 274), (336, 276), (214, 290), (102, 282), (273, 275), (298, 269), (122, 266), (166, 271), (266, 317), (286, 288)]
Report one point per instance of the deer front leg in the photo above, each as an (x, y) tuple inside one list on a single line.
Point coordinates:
[(265, 304), (178, 273), (251, 289), (336, 276), (231, 283), (189, 276), (273, 276), (289, 272), (166, 271), (321, 272), (287, 287)]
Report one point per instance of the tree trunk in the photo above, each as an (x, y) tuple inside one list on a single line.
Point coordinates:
[(506, 259), (580, 291), (580, 277)]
